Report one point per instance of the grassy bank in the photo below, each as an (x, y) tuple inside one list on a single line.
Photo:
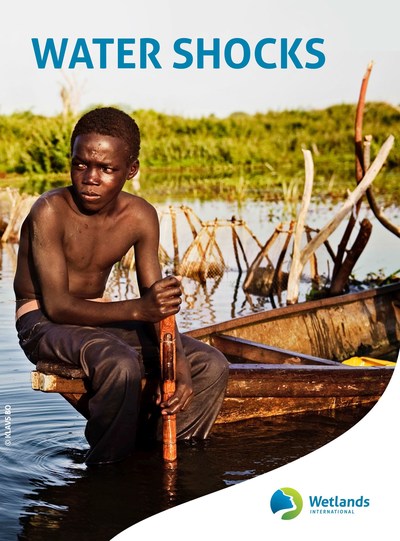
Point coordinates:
[(249, 153)]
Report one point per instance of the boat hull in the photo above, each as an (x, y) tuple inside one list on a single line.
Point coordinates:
[(261, 391), (365, 323), (287, 360)]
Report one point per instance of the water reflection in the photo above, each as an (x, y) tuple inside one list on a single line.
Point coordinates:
[(97, 503), (203, 302), (101, 502)]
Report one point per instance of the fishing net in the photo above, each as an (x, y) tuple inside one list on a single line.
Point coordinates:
[(219, 246), (179, 226), (204, 251)]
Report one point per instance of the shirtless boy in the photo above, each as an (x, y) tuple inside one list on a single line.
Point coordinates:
[(69, 244)]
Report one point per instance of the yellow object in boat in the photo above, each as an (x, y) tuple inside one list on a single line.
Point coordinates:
[(367, 361)]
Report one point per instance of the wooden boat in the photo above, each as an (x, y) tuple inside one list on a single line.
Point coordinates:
[(288, 360)]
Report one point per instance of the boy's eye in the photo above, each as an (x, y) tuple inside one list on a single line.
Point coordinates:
[(77, 164)]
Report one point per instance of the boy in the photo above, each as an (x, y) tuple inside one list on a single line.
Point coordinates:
[(69, 243)]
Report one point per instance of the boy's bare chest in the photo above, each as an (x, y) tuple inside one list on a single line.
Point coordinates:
[(94, 246)]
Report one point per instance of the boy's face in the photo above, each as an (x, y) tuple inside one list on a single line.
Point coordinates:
[(99, 168)]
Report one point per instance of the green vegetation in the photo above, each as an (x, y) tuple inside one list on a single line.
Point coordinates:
[(238, 156)]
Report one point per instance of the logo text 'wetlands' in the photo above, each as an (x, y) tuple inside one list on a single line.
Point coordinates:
[(336, 505)]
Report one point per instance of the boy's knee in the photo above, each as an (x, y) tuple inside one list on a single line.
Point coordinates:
[(127, 367), (215, 358), (114, 361), (220, 363), (214, 363)]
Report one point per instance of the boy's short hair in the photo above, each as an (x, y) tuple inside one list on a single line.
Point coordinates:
[(113, 122)]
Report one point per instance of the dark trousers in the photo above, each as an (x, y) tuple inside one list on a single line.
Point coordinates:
[(116, 359)]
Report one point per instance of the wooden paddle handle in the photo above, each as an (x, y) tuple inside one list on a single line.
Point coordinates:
[(168, 368)]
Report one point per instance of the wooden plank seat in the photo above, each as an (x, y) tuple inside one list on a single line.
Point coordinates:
[(60, 377), (57, 376), (70, 381)]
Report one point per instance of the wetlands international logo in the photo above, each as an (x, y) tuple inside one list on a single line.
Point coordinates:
[(287, 498), (290, 502)]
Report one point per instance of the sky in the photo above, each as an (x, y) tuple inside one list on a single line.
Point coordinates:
[(354, 33)]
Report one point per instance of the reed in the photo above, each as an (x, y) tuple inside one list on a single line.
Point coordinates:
[(270, 142)]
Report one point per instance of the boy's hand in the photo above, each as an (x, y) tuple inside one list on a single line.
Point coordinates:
[(162, 299), (184, 390)]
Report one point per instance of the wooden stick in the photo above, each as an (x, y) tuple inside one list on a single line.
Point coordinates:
[(360, 172), (174, 237), (352, 199), (360, 166), (376, 209), (329, 228), (168, 368), (351, 258), (297, 265), (258, 260)]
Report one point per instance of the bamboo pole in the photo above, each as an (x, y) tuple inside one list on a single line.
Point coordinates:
[(235, 248), (168, 369), (243, 251), (187, 211)]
